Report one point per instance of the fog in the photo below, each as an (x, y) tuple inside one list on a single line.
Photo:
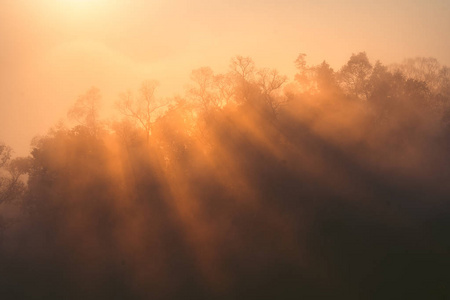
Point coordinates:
[(141, 158), (249, 185), (53, 50)]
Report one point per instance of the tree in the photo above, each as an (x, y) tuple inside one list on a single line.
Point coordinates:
[(305, 75), (244, 67), (325, 78), (5, 155), (203, 91), (429, 70), (143, 108), (354, 75), (270, 81), (243, 71), (224, 84), (86, 110), (11, 170)]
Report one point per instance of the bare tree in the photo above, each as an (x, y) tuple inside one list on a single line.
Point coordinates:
[(143, 108), (243, 70), (86, 110), (203, 91), (428, 70), (269, 81), (224, 83), (243, 66)]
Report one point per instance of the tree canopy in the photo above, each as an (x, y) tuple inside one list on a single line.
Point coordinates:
[(248, 186)]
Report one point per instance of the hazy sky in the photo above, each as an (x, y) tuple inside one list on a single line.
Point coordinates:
[(51, 51)]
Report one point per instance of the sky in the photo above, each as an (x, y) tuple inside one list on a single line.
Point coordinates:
[(52, 51)]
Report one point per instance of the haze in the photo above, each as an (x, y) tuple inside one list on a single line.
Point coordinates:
[(224, 150), (53, 51)]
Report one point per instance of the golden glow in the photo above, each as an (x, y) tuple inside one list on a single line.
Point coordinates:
[(165, 40), (79, 15), (233, 179), (84, 4)]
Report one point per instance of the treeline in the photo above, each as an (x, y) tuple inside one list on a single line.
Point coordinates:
[(250, 186)]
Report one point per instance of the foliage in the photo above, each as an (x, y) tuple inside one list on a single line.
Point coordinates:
[(249, 186)]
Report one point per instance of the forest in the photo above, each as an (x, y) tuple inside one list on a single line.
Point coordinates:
[(334, 184)]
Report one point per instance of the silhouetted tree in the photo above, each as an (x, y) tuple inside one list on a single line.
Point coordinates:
[(5, 155), (426, 69), (326, 79), (269, 81), (203, 92), (11, 170), (86, 110), (243, 70), (210, 197), (143, 108), (224, 83), (305, 75), (354, 75)]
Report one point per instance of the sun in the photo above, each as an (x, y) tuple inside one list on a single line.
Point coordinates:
[(81, 9), (83, 3)]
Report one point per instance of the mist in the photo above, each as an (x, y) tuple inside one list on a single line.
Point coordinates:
[(53, 50), (247, 185), (224, 150)]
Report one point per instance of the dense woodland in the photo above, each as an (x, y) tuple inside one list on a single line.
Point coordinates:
[(250, 186)]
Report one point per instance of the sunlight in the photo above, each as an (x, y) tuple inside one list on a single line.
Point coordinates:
[(82, 2), (80, 9), (156, 149)]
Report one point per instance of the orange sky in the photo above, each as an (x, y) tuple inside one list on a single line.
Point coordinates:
[(51, 51)]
